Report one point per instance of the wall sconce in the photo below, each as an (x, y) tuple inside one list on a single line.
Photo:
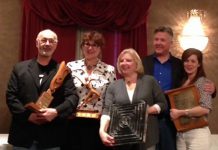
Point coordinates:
[(193, 35)]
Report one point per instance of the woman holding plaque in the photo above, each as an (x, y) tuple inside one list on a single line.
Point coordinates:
[(91, 78), (198, 138), (133, 88)]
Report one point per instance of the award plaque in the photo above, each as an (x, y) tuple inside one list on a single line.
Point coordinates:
[(128, 123), (46, 97), (43, 102), (186, 98), (88, 114)]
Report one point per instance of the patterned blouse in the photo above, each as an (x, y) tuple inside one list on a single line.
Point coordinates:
[(99, 79), (205, 99)]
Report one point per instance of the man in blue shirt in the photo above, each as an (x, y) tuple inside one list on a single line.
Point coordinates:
[(168, 71)]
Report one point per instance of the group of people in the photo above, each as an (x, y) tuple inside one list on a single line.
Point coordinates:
[(92, 87)]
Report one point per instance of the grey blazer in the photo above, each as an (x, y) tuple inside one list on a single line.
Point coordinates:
[(147, 89)]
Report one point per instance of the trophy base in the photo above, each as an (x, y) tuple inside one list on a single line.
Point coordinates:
[(88, 114)]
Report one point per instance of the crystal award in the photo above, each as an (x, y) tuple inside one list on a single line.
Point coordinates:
[(128, 123)]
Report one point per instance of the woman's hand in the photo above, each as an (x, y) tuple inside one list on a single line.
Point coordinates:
[(106, 138), (176, 113), (153, 110)]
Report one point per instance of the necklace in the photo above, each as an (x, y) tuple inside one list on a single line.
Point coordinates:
[(90, 67)]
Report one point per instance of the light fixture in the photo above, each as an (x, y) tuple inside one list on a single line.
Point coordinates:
[(193, 35)]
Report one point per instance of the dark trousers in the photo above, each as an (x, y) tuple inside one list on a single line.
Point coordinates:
[(168, 132), (130, 147), (83, 134)]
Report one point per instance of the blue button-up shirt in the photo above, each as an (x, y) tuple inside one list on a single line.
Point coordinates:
[(163, 73)]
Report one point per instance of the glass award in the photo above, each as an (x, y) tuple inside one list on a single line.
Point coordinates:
[(128, 123)]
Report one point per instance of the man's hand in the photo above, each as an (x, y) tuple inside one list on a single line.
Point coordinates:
[(48, 114), (209, 87), (35, 119)]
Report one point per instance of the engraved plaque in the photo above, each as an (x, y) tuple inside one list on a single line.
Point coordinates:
[(88, 114), (43, 102), (128, 123), (186, 98)]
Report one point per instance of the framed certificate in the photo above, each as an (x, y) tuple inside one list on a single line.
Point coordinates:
[(186, 98), (128, 123)]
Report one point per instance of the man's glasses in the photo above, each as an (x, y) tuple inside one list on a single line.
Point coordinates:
[(51, 41), (87, 45)]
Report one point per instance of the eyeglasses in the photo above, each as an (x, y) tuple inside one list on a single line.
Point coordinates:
[(87, 45), (45, 40)]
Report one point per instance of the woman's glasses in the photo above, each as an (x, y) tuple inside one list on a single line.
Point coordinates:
[(87, 45)]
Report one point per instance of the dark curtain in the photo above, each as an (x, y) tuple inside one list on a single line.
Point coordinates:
[(123, 23)]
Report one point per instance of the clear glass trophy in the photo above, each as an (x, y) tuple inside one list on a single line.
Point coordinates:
[(128, 123)]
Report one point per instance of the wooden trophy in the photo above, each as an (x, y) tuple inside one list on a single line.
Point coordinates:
[(92, 94), (46, 97)]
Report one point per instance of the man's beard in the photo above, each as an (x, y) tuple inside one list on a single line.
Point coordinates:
[(45, 54)]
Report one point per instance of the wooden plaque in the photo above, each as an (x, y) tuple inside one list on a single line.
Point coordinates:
[(186, 98)]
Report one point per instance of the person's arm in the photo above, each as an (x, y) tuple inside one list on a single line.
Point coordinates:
[(70, 98), (210, 88), (197, 111), (193, 112), (105, 118), (13, 101), (105, 137), (160, 103), (111, 76)]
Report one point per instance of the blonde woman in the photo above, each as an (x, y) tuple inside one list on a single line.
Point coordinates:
[(132, 88)]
